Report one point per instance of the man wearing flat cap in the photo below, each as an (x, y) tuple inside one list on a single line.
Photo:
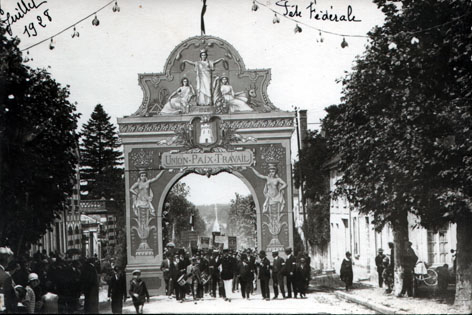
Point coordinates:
[(264, 275), (138, 291)]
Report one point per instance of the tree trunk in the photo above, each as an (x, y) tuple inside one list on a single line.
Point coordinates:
[(400, 236), (319, 256), (464, 264)]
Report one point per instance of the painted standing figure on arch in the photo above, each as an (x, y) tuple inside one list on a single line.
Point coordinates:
[(204, 69)]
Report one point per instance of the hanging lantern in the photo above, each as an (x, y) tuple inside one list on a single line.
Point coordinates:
[(254, 6), (75, 33), (297, 29), (392, 46), (344, 44), (95, 21), (26, 59), (116, 8), (276, 19), (51, 44)]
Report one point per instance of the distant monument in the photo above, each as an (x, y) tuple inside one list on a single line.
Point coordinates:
[(216, 225)]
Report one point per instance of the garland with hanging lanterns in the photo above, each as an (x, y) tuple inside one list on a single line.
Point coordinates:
[(344, 44), (75, 33), (298, 29)]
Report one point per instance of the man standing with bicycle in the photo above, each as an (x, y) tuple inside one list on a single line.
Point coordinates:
[(409, 263)]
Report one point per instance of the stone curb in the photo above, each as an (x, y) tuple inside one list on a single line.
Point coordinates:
[(367, 303)]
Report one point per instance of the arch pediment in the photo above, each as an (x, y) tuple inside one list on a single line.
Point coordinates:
[(165, 93)]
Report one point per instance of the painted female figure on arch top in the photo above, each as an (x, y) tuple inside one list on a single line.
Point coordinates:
[(204, 69), (180, 100)]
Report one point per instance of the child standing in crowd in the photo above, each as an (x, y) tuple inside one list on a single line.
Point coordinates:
[(30, 298), (138, 292), (387, 275)]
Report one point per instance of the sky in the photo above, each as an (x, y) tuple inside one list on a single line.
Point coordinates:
[(101, 65)]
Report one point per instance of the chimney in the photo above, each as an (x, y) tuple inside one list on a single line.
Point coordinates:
[(303, 127)]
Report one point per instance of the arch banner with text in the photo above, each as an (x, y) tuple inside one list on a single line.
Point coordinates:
[(205, 114)]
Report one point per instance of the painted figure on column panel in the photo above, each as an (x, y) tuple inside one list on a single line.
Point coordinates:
[(273, 189), (144, 210)]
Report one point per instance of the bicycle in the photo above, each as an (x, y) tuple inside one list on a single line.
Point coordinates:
[(426, 275)]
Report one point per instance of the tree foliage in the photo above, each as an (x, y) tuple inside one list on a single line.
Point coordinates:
[(401, 105), (38, 148), (242, 220), (101, 169), (315, 177), (101, 159), (403, 128), (177, 213)]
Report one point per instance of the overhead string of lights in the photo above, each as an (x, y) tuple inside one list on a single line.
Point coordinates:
[(298, 29), (75, 33), (344, 44)]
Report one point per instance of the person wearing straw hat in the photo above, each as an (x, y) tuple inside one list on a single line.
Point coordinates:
[(138, 292)]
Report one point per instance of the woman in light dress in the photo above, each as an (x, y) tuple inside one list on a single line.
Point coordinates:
[(179, 101), (236, 102)]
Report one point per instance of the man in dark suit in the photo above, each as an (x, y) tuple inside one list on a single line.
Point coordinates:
[(214, 272), (174, 274), (117, 291), (165, 267), (245, 276), (228, 267), (290, 266), (277, 274), (89, 281), (302, 277), (380, 267), (264, 275)]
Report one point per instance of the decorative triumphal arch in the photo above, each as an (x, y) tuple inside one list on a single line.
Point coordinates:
[(205, 114)]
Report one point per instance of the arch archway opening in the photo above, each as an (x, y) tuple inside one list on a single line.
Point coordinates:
[(213, 212)]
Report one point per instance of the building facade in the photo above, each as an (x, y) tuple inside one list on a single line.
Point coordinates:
[(99, 227), (354, 232), (66, 232)]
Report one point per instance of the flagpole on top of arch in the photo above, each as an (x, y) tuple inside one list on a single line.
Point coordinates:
[(202, 19)]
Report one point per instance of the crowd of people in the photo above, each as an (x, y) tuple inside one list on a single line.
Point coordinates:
[(226, 273), (49, 284), (55, 283)]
